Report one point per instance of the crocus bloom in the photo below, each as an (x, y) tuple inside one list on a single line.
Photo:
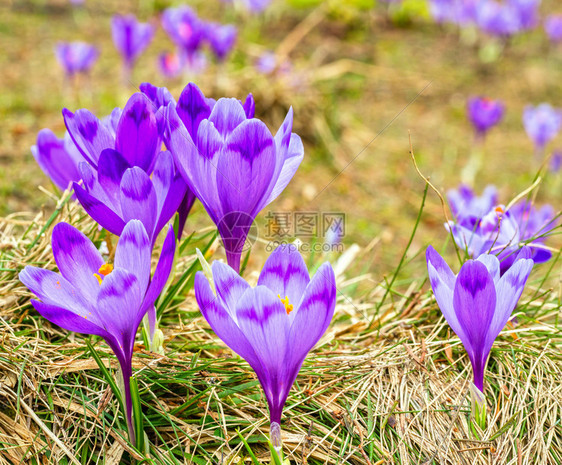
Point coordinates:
[(527, 12), (184, 28), (274, 325), (170, 64), (231, 161), (130, 37), (503, 232), (469, 208), (542, 123), (553, 27), (117, 192), (76, 57), (93, 297), (135, 136), (484, 113), (498, 19), (221, 38), (58, 158), (477, 303)]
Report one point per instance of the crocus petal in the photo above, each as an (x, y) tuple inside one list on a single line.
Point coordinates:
[(443, 283), (285, 273), (230, 286), (90, 136), (220, 320), (226, 115), (77, 259), (250, 106), (118, 305), (246, 167), (509, 290), (98, 210), (54, 289), (313, 316), (492, 264), (170, 189), (293, 159), (111, 167), (192, 108), (474, 300), (54, 159), (263, 320), (133, 253), (138, 198), (163, 269), (69, 320), (198, 167), (137, 134)]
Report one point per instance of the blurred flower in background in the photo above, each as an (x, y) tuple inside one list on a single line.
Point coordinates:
[(130, 38), (184, 27), (221, 38), (553, 28), (469, 208), (542, 123), (76, 57), (170, 64), (484, 113)]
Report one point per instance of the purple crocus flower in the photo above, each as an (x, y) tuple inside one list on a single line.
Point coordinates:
[(117, 192), (92, 297), (135, 135), (170, 64), (130, 37), (274, 325), (542, 123), (184, 28), (527, 12), (553, 28), (469, 208), (231, 161), (484, 113), (58, 158), (478, 302), (76, 57), (221, 38), (498, 19)]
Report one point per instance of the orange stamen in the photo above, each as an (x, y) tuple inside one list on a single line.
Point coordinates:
[(285, 302)]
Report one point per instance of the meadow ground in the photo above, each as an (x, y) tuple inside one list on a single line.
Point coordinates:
[(389, 382)]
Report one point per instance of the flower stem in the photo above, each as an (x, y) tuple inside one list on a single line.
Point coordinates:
[(478, 401), (276, 442)]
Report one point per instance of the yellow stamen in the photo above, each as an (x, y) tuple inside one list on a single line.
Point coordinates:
[(104, 270), (499, 209), (285, 301)]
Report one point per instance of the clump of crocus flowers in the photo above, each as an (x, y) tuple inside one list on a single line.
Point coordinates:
[(480, 225)]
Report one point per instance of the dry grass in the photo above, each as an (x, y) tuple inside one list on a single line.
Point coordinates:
[(395, 391)]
